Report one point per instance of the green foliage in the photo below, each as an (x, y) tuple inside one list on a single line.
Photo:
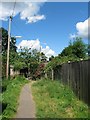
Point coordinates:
[(18, 65), (13, 57), (27, 59), (4, 49), (43, 57), (33, 67), (55, 100), (24, 58), (59, 61), (51, 64), (40, 71), (68, 51), (11, 95), (74, 52), (30, 59), (77, 49), (51, 58), (5, 41)]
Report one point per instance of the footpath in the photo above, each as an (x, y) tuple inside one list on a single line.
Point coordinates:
[(26, 107)]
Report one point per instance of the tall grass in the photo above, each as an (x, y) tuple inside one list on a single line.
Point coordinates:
[(55, 100), (11, 95)]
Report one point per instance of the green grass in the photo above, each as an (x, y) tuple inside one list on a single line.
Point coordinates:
[(55, 100), (11, 95)]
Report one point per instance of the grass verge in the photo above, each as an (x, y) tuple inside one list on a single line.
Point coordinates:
[(55, 100), (11, 95)]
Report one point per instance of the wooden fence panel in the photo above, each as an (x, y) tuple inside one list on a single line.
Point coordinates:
[(81, 81), (76, 75)]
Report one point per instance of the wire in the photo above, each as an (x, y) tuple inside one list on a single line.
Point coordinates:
[(15, 25), (14, 8)]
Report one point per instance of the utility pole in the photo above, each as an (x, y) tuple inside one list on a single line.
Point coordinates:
[(9, 30)]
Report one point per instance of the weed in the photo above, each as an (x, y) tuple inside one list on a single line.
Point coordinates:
[(55, 100), (11, 94)]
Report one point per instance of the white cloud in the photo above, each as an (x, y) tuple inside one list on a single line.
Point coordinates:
[(48, 52), (35, 44), (83, 30), (28, 10), (34, 19)]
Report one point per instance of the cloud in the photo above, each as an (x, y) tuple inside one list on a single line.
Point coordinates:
[(34, 19), (35, 44), (48, 52), (28, 10), (83, 30)]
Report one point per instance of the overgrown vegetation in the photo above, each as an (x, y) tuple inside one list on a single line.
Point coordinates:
[(27, 58), (54, 100), (4, 50), (10, 96), (32, 59), (76, 51)]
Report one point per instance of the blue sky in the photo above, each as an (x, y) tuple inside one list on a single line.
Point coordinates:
[(60, 21)]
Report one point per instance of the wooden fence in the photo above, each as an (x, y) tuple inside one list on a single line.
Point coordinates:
[(77, 76)]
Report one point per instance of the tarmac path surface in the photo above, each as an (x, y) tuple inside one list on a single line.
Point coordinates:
[(26, 107)]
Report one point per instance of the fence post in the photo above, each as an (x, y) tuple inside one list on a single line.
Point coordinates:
[(52, 74), (45, 74)]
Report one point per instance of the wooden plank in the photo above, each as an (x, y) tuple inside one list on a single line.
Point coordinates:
[(77, 76)]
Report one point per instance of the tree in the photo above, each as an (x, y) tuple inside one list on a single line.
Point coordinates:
[(51, 58), (43, 57), (5, 41), (76, 49), (30, 60), (18, 63), (27, 58), (39, 71), (40, 57), (23, 60), (4, 49), (79, 48), (68, 51)]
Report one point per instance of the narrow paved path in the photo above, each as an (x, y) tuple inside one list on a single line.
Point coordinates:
[(26, 107)]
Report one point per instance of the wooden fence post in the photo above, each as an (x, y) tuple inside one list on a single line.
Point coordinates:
[(52, 74), (45, 74)]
